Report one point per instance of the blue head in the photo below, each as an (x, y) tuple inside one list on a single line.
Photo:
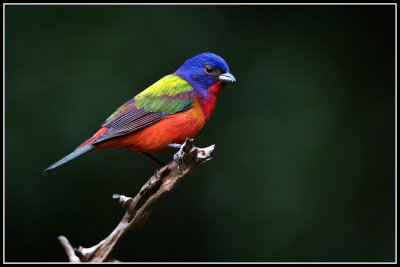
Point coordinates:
[(204, 70)]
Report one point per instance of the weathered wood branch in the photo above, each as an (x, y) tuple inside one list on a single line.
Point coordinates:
[(139, 208)]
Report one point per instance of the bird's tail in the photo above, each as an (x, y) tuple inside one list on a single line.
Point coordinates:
[(79, 151)]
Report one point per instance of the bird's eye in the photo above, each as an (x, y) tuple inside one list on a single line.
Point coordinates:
[(209, 70)]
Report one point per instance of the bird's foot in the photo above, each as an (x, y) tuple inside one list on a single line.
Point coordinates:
[(176, 157), (175, 145)]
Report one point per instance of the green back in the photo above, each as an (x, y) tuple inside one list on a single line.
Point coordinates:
[(170, 94)]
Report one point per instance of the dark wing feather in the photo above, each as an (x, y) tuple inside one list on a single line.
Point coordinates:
[(169, 95), (129, 121)]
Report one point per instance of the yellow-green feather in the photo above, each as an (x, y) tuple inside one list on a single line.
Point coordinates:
[(168, 85), (159, 97), (170, 94)]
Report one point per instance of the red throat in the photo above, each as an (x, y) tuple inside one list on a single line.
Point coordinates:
[(208, 104)]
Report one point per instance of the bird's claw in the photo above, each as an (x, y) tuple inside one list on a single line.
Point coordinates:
[(176, 157), (175, 145)]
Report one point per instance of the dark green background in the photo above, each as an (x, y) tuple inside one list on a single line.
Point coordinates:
[(303, 168)]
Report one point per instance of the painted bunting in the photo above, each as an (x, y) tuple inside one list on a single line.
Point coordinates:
[(161, 117)]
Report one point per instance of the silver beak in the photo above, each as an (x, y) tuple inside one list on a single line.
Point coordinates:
[(226, 77)]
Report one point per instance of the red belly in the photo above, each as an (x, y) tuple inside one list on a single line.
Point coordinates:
[(155, 138)]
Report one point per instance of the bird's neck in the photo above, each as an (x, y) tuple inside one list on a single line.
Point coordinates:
[(208, 101)]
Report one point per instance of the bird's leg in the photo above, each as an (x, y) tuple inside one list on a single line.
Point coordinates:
[(175, 145), (162, 164), (153, 158)]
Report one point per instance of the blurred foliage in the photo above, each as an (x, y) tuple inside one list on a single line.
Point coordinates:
[(304, 166)]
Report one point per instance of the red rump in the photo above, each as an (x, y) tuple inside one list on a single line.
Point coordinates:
[(91, 139)]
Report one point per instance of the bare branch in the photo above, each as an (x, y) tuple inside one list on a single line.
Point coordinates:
[(139, 208), (68, 248)]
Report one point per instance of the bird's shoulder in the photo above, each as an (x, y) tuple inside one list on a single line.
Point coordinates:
[(169, 85), (170, 94)]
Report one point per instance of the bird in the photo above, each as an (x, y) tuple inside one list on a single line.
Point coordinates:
[(165, 114)]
